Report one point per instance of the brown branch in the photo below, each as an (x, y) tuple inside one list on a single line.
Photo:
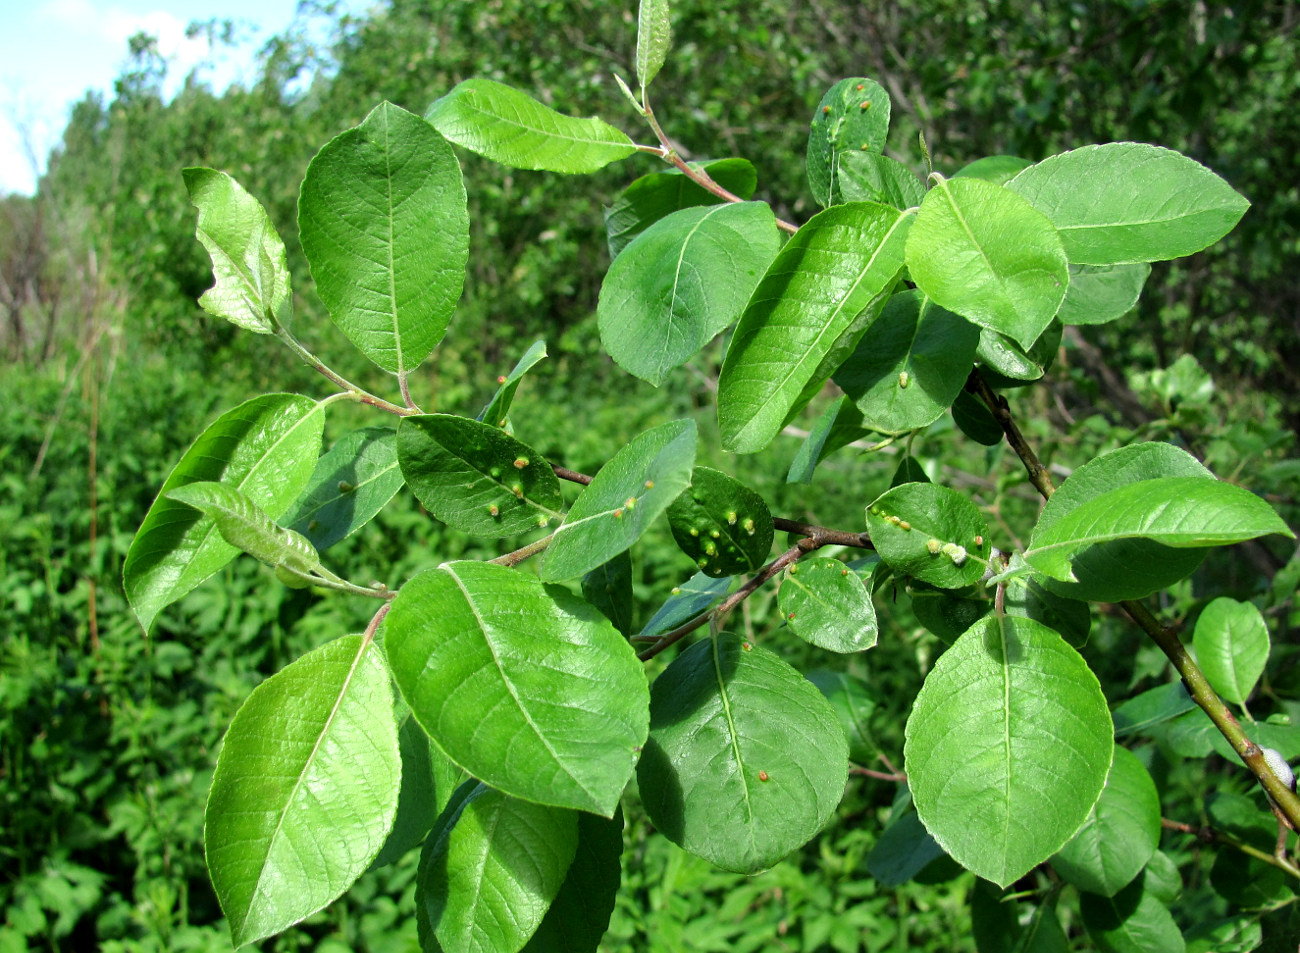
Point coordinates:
[(997, 405)]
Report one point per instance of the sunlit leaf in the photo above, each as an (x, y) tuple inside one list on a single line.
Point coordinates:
[(1231, 642), (305, 789)]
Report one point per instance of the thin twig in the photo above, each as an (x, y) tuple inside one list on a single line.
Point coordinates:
[(523, 552), (997, 405), (1209, 835), (878, 775)]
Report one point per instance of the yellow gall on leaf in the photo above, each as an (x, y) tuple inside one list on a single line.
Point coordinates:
[(521, 462)]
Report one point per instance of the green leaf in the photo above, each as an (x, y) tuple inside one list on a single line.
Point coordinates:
[(903, 850), (909, 470), (1102, 293), (996, 169), (1179, 512), (305, 789), (912, 365), (608, 587), (528, 688), (266, 448), (975, 420), (1132, 921), (852, 117), (1120, 834), (348, 488), (625, 497), (826, 605), (1236, 934), (243, 524), (475, 477), (998, 924), (653, 35), (1008, 746), (579, 915), (1153, 707), (420, 793), (512, 128), (947, 613), (870, 177), (1004, 363), (687, 601), (850, 699), (807, 314), (930, 532), (498, 408), (1231, 642), (680, 282), (658, 194), (1071, 618), (489, 878), (1126, 568), (838, 426), (723, 525), (746, 760), (385, 226), (1130, 202), (984, 252), (252, 286)]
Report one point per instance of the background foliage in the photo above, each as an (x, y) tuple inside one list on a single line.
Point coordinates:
[(107, 740)]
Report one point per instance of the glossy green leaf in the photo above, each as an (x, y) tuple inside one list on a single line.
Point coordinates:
[(947, 613), (723, 525), (1125, 568), (266, 448), (1120, 834), (930, 532), (1130, 202), (852, 117), (1004, 363), (975, 420), (305, 789), (1246, 881), (912, 365), (608, 587), (512, 128), (252, 286), (807, 314), (385, 227), (348, 488), (498, 408), (658, 194), (1152, 707), (476, 477), (851, 700), (687, 601), (1231, 642), (826, 605), (903, 850), (1071, 618), (909, 470), (681, 282), (528, 688), (1007, 747), (1236, 934), (494, 870), (996, 169), (1132, 921), (653, 36), (838, 426), (746, 760), (871, 177), (424, 790), (579, 915), (243, 524), (1179, 512), (985, 253), (1102, 293), (625, 497)]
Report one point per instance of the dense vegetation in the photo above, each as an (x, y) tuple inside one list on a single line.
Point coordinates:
[(109, 739)]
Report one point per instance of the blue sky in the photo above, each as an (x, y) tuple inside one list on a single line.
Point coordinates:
[(52, 51)]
